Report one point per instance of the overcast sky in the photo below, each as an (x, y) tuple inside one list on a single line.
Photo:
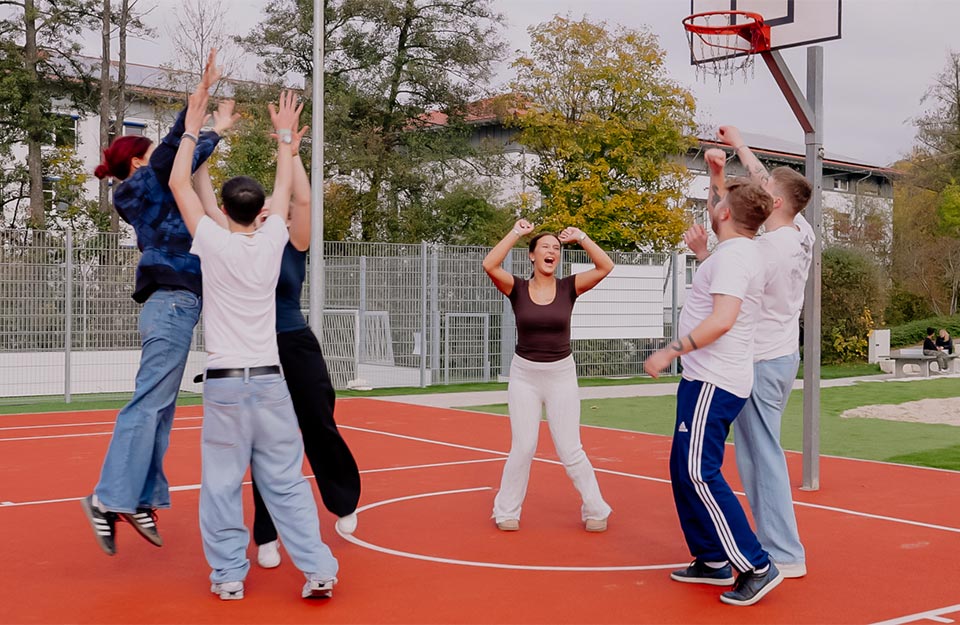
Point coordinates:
[(874, 77)]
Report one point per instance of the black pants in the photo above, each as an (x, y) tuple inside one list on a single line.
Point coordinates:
[(311, 390)]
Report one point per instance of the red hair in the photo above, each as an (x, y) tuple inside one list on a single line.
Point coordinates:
[(117, 158)]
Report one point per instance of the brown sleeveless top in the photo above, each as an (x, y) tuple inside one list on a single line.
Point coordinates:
[(543, 332)]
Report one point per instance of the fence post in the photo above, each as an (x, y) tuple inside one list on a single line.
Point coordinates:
[(68, 313), (435, 313), (361, 321), (423, 314)]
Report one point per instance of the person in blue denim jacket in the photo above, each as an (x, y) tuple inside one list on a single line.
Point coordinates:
[(132, 484)]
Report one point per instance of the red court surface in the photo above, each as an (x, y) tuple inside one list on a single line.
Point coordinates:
[(883, 540)]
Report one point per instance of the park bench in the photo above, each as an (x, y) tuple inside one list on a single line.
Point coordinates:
[(916, 357)]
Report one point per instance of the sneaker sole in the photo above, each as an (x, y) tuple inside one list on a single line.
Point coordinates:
[(709, 581), (319, 594), (757, 597), (226, 595), (88, 512)]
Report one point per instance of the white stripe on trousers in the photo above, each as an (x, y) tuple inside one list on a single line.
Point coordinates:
[(695, 469)]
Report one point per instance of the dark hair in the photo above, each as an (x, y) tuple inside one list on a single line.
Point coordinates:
[(243, 199), (796, 189), (536, 239), (749, 204), (117, 158), (931, 331)]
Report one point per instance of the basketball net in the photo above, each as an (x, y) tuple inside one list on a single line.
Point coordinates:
[(720, 47)]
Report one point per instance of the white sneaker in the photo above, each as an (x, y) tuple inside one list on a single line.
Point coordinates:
[(348, 524), (318, 588), (793, 570), (268, 555), (228, 591)]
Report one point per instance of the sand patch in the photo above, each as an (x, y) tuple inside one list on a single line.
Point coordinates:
[(938, 411)]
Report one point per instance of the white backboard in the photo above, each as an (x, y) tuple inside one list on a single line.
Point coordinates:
[(627, 304), (792, 22)]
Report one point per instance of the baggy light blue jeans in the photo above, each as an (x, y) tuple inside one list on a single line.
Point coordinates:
[(761, 462), (251, 423), (532, 386), (132, 473)]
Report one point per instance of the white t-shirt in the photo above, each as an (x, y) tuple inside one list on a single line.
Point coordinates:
[(240, 273), (787, 253), (734, 268)]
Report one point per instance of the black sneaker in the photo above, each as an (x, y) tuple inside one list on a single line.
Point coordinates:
[(104, 525), (144, 520), (699, 573), (752, 586)]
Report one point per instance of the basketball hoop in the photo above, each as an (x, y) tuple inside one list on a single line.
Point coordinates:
[(723, 43)]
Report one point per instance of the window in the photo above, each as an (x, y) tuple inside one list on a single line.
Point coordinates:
[(842, 226), (64, 133), (841, 184), (692, 264)]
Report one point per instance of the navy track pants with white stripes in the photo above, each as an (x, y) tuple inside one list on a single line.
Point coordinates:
[(712, 519)]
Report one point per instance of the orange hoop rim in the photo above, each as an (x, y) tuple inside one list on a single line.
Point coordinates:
[(754, 31)]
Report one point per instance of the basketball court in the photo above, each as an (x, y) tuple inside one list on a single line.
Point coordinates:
[(426, 550)]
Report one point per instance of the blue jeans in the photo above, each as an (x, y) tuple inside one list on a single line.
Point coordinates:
[(760, 459), (132, 474), (251, 423)]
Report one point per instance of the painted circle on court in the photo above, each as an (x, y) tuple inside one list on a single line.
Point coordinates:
[(352, 538)]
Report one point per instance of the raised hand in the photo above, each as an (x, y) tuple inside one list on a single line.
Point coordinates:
[(224, 118), (570, 235), (730, 135), (716, 160), (286, 116), (196, 111), (211, 73), (297, 139), (522, 227), (696, 239)]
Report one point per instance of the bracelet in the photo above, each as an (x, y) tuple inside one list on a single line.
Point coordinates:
[(516, 232), (190, 135)]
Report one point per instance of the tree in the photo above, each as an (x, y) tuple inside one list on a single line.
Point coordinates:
[(41, 56), (851, 303), (390, 67), (200, 26), (466, 214), (609, 127), (926, 249)]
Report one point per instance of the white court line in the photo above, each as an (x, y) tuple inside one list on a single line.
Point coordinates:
[(40, 438), (932, 615), (189, 487), (555, 462), (489, 565), (667, 481), (77, 425)]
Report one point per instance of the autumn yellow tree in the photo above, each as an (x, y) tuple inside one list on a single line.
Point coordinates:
[(610, 129)]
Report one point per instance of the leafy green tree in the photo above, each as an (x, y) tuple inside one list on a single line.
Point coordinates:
[(42, 68), (465, 215), (851, 302), (392, 67), (609, 127)]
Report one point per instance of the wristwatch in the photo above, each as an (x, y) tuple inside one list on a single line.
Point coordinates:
[(286, 136)]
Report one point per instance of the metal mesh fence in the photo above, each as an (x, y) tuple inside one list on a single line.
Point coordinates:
[(394, 315)]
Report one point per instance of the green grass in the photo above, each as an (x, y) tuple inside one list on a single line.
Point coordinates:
[(105, 401), (869, 439)]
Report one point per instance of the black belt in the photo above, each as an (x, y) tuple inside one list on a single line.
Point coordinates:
[(237, 373)]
